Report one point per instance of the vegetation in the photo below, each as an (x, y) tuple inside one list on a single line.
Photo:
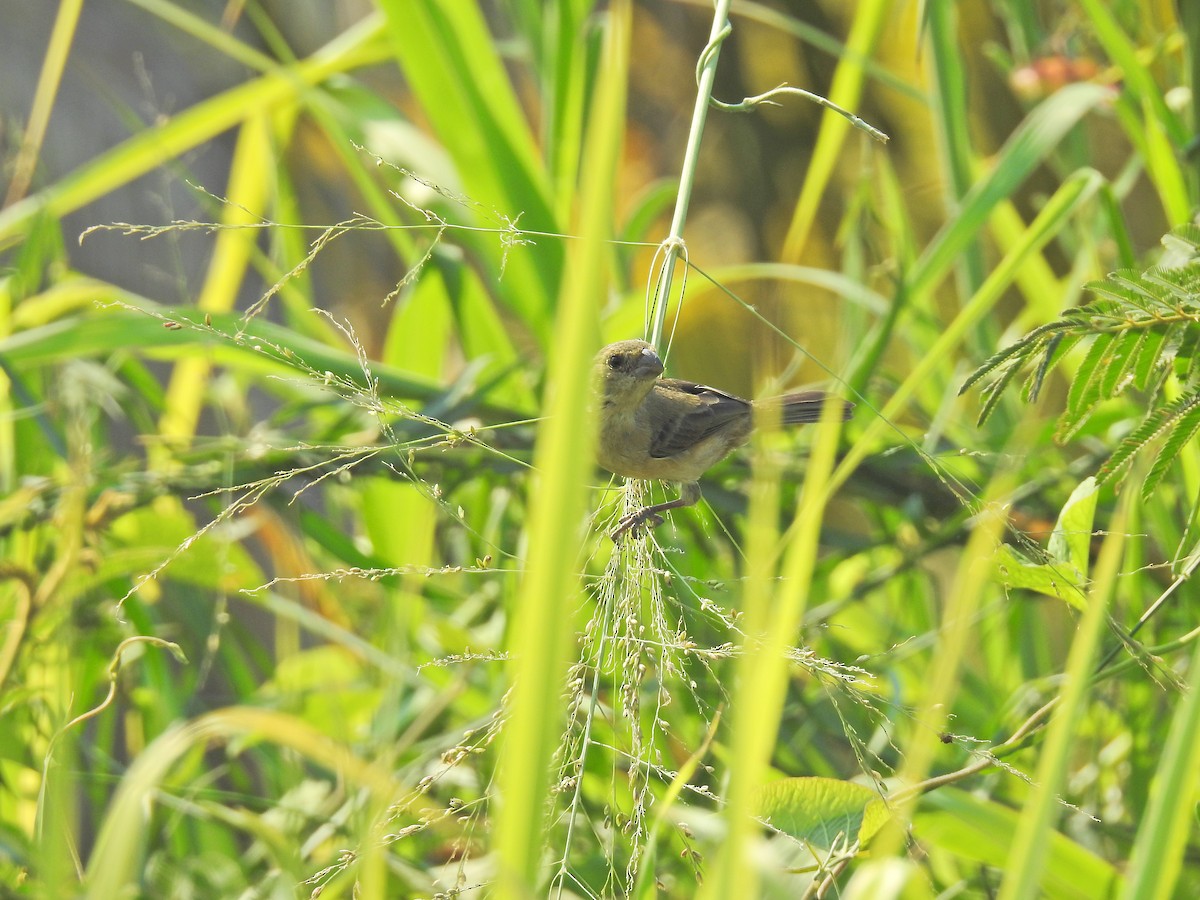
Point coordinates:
[(307, 585)]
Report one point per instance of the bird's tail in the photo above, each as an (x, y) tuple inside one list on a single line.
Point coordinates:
[(806, 406)]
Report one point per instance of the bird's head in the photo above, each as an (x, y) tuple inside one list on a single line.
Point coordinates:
[(625, 372)]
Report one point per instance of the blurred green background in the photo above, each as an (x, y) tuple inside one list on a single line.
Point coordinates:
[(304, 592)]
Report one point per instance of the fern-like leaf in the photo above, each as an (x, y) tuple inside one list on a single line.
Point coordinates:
[(1149, 428), (1182, 429), (1056, 348), (1148, 356), (1117, 376), (1085, 388), (1140, 328), (993, 392), (1022, 349)]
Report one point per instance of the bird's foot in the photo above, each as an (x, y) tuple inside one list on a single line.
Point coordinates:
[(651, 517), (648, 517)]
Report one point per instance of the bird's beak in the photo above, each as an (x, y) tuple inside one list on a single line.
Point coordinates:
[(648, 364)]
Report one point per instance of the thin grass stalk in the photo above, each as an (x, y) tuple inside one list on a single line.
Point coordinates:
[(950, 130), (544, 621), (565, 65), (1044, 294), (1138, 81), (1189, 23), (687, 174), (1165, 171), (1028, 147), (1151, 125), (951, 119), (205, 32), (877, 336), (55, 671), (249, 195)]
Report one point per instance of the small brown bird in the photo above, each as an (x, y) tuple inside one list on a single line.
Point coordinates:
[(654, 427)]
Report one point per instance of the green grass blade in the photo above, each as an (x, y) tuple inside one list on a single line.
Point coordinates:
[(1168, 820), (112, 871), (23, 167), (951, 127), (771, 621), (456, 73), (1052, 218), (543, 620), (1024, 869), (870, 17), (1027, 148)]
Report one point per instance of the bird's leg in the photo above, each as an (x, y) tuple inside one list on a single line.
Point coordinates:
[(689, 493)]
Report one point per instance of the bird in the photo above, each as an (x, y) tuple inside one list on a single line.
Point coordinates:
[(666, 428)]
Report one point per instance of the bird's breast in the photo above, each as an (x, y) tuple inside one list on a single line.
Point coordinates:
[(626, 439)]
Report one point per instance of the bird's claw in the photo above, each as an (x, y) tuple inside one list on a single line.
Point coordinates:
[(647, 517)]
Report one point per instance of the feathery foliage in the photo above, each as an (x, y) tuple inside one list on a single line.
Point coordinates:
[(1141, 333)]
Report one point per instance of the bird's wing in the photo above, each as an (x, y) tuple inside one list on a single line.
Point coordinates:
[(707, 411)]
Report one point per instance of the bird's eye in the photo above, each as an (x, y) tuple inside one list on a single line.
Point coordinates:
[(614, 361)]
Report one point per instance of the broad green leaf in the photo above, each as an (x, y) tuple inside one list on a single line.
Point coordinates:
[(1071, 541), (1058, 581), (981, 831), (820, 811)]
